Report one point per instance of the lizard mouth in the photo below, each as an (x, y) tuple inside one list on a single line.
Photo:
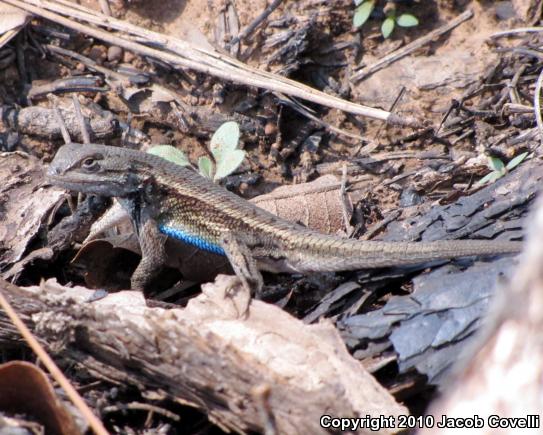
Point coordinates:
[(86, 185)]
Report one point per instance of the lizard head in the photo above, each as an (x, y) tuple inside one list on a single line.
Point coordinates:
[(95, 169)]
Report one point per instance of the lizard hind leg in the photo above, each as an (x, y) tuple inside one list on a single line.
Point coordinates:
[(244, 265)]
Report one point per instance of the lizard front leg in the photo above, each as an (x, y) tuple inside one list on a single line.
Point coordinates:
[(244, 265), (153, 255)]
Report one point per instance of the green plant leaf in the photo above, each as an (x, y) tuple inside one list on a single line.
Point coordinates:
[(229, 162), (514, 162), (223, 146), (496, 164), (407, 20), (226, 137), (387, 27), (490, 178), (362, 13), (170, 153), (205, 167)]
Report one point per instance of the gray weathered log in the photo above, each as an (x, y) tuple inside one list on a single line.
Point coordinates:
[(246, 374)]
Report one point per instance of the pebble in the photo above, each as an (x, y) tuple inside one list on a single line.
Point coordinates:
[(97, 53), (128, 57), (270, 128), (114, 53)]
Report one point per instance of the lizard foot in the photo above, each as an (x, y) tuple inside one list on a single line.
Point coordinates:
[(248, 276), (239, 295), (227, 296)]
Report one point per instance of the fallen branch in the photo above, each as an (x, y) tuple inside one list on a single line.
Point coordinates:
[(269, 370)]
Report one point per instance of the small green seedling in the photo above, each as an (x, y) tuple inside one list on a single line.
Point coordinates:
[(365, 8), (362, 12), (499, 169), (404, 20), (223, 146)]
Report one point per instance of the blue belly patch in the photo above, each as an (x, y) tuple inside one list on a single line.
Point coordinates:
[(191, 239)]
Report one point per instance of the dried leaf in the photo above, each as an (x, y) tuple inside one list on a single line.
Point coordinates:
[(130, 91), (25, 389), (11, 17), (160, 94), (316, 205), (25, 205)]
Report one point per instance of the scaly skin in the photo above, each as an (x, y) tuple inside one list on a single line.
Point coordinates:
[(163, 198)]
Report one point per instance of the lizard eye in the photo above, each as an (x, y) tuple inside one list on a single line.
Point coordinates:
[(89, 164)]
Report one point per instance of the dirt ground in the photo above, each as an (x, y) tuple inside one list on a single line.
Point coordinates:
[(428, 80)]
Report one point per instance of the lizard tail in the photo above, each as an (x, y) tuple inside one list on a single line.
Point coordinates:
[(334, 254)]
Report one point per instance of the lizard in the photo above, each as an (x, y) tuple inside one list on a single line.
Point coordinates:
[(164, 200)]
